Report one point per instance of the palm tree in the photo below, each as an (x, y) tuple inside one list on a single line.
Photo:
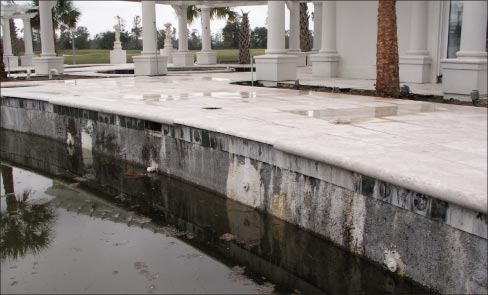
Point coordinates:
[(244, 40), (387, 73), (193, 13), (64, 15), (304, 32)]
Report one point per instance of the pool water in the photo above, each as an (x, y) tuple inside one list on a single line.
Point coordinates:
[(79, 222)]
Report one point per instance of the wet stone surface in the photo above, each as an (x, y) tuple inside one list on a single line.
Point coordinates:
[(106, 226)]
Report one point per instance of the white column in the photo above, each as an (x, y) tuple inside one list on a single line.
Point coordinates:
[(317, 26), (418, 28), (415, 66), (328, 28), (7, 42), (182, 57), (206, 56), (27, 36), (325, 64), (468, 71), (276, 27), (149, 46), (47, 40), (473, 30), (182, 29), (276, 65), (294, 7), (206, 37)]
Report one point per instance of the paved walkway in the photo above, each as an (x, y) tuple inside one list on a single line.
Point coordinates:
[(436, 149)]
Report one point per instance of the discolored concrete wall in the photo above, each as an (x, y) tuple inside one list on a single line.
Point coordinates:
[(437, 244)]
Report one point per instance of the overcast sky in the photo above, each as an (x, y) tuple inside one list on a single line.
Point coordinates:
[(99, 16)]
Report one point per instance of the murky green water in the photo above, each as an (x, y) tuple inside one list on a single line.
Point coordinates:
[(74, 221)]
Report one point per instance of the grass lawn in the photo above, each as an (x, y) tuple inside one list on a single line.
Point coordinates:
[(102, 56)]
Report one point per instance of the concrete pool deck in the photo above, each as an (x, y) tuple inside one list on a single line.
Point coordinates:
[(399, 182), (437, 149)]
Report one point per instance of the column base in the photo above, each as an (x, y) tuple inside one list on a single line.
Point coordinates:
[(301, 58), (118, 56), (206, 58), (415, 68), (168, 52), (10, 61), (309, 57), (276, 67), (26, 60), (325, 65), (461, 76), (183, 59), (150, 65), (42, 65)]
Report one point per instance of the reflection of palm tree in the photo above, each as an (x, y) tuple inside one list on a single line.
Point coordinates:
[(24, 228)]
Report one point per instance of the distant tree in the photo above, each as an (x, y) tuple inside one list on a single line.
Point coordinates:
[(161, 35), (64, 40), (14, 37), (244, 40), (230, 34), (36, 40), (105, 40), (82, 38), (136, 31), (259, 37), (194, 40), (387, 72)]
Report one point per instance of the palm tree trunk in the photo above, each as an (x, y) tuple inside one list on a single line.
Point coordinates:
[(387, 73), (304, 32), (244, 40)]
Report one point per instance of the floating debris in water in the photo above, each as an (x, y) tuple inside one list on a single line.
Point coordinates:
[(237, 275), (42, 201), (130, 174), (74, 184), (79, 179), (171, 231), (151, 169), (227, 237), (266, 288), (142, 219)]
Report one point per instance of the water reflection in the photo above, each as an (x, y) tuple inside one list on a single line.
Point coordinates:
[(25, 226), (265, 247), (366, 113)]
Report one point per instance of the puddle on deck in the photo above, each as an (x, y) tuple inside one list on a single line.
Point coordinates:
[(359, 114), (100, 225)]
